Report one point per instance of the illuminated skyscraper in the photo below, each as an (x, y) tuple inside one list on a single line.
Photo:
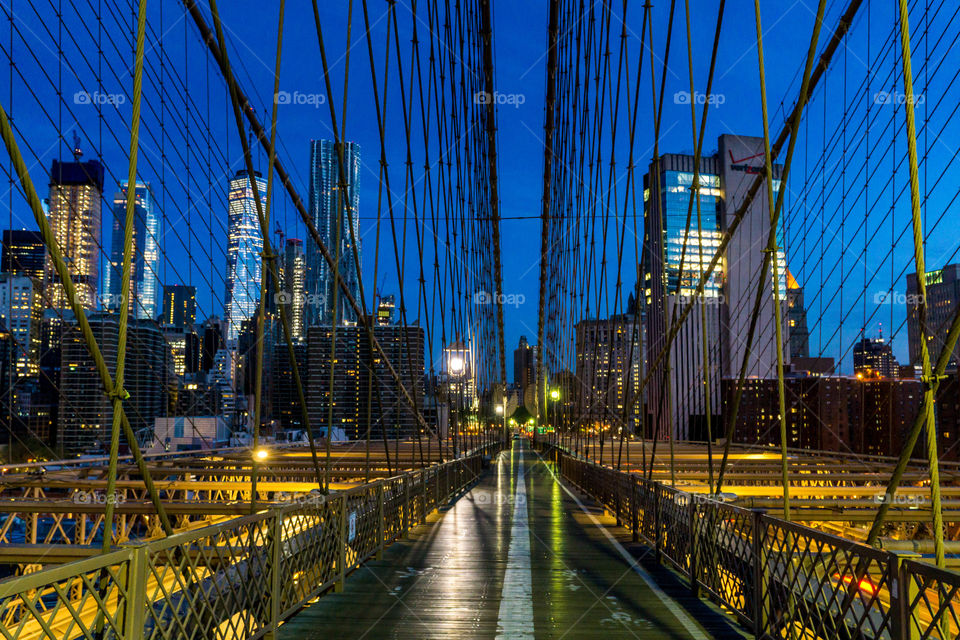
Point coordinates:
[(144, 279), (244, 246), (943, 299), (21, 310), (179, 305), (76, 189), (679, 401), (23, 254), (327, 205), (294, 283), (385, 310)]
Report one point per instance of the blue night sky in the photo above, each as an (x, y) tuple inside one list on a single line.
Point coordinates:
[(837, 244)]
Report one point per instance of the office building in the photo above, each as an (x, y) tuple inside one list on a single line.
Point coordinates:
[(76, 190), (677, 402), (24, 254), (873, 358), (524, 366), (244, 250), (144, 303), (943, 299), (286, 403), (21, 310), (328, 205), (179, 305), (608, 357), (797, 320)]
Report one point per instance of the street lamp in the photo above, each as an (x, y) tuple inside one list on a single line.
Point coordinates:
[(261, 454)]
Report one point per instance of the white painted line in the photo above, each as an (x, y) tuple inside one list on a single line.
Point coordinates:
[(682, 616), (516, 600)]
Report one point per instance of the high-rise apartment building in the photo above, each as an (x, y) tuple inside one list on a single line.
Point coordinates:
[(179, 305), (294, 283), (76, 191), (330, 204), (943, 298), (21, 310), (244, 250), (144, 303), (524, 366), (677, 402), (86, 413), (609, 364), (364, 393)]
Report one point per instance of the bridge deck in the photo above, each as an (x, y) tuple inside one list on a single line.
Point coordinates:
[(479, 571)]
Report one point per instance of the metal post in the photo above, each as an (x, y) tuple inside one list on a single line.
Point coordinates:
[(275, 549), (134, 601), (903, 591), (759, 574), (381, 523), (694, 549), (342, 561), (634, 520)]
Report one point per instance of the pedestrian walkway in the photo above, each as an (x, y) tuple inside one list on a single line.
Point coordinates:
[(518, 557)]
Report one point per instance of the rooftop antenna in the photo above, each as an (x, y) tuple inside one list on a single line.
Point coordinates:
[(77, 151), (881, 332)]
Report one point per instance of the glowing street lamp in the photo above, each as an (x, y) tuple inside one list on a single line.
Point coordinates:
[(261, 454), (456, 365), (554, 394)]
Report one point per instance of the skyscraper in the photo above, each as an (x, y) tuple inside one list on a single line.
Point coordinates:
[(608, 356), (943, 298), (293, 283), (179, 305), (797, 320), (244, 249), (76, 189), (524, 365), (680, 400), (144, 278), (873, 358), (23, 254), (385, 310), (21, 310), (328, 205)]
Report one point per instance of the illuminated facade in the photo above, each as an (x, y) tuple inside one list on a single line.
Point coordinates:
[(677, 395), (24, 254), (294, 282), (244, 249), (609, 366), (327, 206), (943, 299), (144, 279), (21, 310), (179, 305), (76, 190)]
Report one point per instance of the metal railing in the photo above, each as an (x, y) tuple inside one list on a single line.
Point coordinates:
[(236, 579), (780, 579)]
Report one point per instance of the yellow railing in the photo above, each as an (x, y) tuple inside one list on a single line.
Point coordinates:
[(236, 579)]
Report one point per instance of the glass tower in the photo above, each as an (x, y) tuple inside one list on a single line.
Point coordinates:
[(244, 246), (144, 281), (327, 204), (294, 280)]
